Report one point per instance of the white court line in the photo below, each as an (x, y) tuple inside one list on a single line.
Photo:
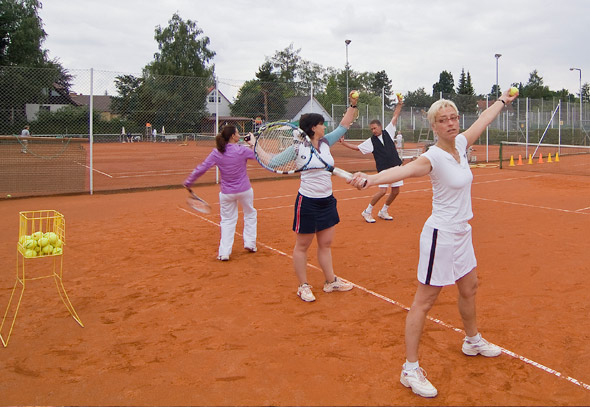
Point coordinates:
[(435, 320), (533, 206), (95, 170)]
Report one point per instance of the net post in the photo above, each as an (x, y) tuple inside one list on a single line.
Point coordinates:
[(91, 130)]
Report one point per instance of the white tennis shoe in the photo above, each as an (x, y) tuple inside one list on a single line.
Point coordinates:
[(417, 381), (304, 292), (384, 215), (223, 257), (337, 285), (481, 347), (368, 217)]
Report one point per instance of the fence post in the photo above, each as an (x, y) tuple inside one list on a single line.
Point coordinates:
[(91, 130)]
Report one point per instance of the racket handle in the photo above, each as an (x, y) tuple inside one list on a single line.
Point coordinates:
[(345, 174), (341, 173)]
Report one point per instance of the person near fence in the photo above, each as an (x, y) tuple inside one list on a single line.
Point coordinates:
[(24, 143), (382, 145), (231, 158), (447, 256), (315, 212)]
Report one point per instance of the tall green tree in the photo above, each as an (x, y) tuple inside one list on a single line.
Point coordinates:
[(419, 98), (445, 84), (534, 88), (287, 63), (382, 83), (21, 34), (183, 50), (262, 97), (175, 85)]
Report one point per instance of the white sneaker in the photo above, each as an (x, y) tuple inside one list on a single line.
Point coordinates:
[(384, 215), (417, 381), (337, 285), (304, 292), (251, 249), (223, 258), (368, 217), (481, 347)]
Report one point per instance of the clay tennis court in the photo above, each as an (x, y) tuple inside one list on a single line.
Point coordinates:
[(168, 324)]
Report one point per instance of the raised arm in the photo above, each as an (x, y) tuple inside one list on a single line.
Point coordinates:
[(348, 145), (487, 116), (397, 112), (418, 168)]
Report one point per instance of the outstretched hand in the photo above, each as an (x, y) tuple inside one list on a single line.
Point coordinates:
[(359, 180)]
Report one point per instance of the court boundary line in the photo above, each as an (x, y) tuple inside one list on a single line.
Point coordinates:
[(428, 317)]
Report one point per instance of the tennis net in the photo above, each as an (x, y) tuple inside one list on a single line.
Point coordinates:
[(550, 158)]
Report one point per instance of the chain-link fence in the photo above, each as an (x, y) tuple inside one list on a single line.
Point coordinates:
[(142, 130)]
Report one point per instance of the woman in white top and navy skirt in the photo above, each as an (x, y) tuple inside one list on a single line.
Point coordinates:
[(315, 213), (446, 249)]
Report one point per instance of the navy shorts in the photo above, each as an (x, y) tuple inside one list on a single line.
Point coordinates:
[(314, 214)]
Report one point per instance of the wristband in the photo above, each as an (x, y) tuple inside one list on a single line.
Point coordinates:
[(501, 100), (354, 107)]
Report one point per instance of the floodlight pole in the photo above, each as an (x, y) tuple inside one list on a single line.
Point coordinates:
[(497, 57), (346, 99), (581, 126)]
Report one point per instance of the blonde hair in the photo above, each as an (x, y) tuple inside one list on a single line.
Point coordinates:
[(438, 105)]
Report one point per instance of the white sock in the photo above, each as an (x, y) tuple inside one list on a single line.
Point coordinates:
[(474, 339), (385, 207), (369, 208), (411, 365)]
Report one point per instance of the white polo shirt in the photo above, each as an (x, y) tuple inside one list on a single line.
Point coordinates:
[(366, 147), (451, 187)]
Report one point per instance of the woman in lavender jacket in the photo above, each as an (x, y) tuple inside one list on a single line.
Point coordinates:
[(231, 159)]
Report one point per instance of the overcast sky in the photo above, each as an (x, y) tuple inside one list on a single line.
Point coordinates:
[(412, 40)]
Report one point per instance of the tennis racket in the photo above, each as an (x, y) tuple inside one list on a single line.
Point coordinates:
[(198, 204), (284, 148)]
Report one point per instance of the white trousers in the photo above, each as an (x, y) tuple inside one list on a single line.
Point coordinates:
[(228, 209)]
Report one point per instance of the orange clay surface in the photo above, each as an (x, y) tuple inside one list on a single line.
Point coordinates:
[(168, 324)]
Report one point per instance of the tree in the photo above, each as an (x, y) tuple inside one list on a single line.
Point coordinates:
[(586, 92), (418, 98), (183, 51), (465, 98), (262, 97), (493, 93), (445, 84), (534, 88), (174, 86), (287, 63), (381, 82), (21, 34)]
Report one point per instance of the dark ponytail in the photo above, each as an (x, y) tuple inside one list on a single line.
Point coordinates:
[(223, 137)]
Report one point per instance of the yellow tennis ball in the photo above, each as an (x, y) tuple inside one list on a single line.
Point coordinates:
[(58, 243), (513, 91), (48, 249), (37, 249), (30, 253), (399, 96), (43, 242), (30, 244), (57, 250), (52, 237), (37, 235), (354, 95)]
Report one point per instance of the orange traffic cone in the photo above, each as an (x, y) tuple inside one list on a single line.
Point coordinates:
[(549, 160), (530, 159), (556, 157), (511, 161), (519, 160), (541, 158)]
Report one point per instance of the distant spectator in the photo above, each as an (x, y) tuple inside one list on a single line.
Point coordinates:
[(129, 138)]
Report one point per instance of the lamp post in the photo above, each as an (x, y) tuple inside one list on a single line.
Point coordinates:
[(580, 70), (497, 57), (346, 98)]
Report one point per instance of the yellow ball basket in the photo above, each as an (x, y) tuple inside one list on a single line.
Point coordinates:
[(41, 234)]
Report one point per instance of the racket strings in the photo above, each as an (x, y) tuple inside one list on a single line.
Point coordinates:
[(277, 147)]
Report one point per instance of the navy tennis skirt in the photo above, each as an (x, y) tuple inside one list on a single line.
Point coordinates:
[(314, 214)]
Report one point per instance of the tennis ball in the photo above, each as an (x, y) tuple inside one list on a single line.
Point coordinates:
[(399, 96), (37, 249), (52, 237), (43, 242), (37, 235), (57, 250), (354, 95), (513, 91), (8, 196), (30, 244), (48, 249), (58, 243), (30, 253)]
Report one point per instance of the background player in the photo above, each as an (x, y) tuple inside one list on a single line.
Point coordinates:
[(382, 145)]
